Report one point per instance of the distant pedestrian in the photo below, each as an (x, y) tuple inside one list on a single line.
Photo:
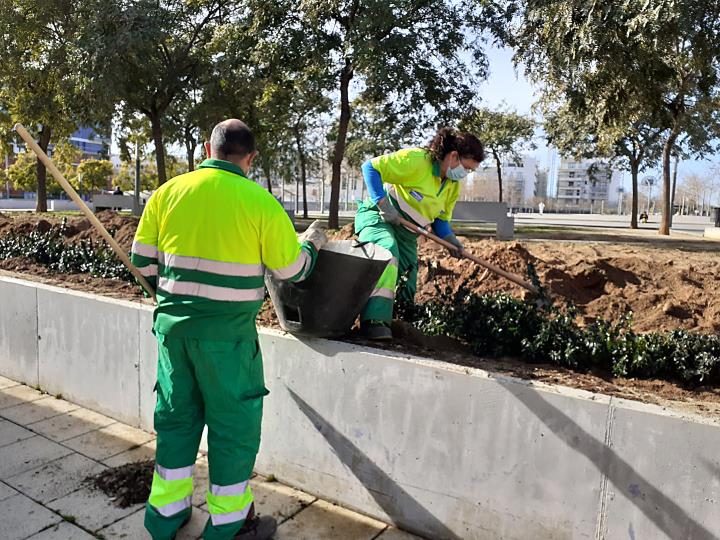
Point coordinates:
[(541, 208)]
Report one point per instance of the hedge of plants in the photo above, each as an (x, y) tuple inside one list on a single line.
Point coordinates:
[(48, 248), (540, 331)]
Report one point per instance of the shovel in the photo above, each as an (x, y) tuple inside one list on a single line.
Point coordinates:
[(463, 253)]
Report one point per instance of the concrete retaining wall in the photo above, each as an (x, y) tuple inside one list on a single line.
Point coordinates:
[(444, 451), (54, 205)]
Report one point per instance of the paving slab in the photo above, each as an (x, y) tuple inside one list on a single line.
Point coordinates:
[(37, 410), (17, 395), (91, 509), (28, 454), (201, 481), (66, 426), (10, 432), (277, 500), (133, 527), (62, 531), (108, 441), (396, 534), (23, 517), (55, 479), (7, 383), (325, 521), (6, 491), (139, 453)]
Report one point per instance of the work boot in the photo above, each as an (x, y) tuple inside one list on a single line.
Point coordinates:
[(257, 528), (375, 330)]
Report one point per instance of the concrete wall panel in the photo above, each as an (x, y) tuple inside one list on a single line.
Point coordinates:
[(88, 351), (18, 332), (434, 450), (663, 477), (147, 352)]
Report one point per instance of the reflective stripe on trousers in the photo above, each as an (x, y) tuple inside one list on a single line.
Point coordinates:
[(229, 504), (171, 490)]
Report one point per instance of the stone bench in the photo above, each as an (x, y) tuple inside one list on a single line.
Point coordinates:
[(492, 212), (110, 202)]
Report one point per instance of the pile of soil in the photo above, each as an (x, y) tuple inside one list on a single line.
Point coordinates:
[(665, 289), (126, 485)]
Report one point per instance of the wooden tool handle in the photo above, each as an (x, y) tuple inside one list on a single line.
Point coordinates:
[(499, 271), (42, 156)]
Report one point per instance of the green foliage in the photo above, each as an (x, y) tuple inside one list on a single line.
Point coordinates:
[(49, 249), (500, 325), (503, 133), (620, 64), (22, 173), (158, 50), (93, 174)]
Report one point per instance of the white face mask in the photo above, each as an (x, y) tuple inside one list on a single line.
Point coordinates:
[(457, 173)]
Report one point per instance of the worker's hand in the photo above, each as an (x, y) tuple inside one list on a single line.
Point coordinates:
[(315, 234), (454, 241), (388, 213)]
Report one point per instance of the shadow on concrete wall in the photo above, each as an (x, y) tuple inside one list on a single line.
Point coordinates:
[(397, 503), (655, 505)]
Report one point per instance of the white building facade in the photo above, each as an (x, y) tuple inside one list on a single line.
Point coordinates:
[(587, 184)]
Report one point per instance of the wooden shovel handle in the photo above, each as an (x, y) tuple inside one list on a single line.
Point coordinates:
[(499, 271), (42, 156)]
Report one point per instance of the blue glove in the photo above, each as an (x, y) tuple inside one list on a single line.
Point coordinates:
[(456, 253)]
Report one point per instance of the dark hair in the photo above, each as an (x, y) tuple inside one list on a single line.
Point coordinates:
[(231, 138), (447, 140)]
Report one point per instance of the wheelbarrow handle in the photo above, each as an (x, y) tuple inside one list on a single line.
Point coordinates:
[(482, 262)]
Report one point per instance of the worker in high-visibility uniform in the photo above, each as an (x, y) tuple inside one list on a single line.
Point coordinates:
[(420, 185), (205, 240)]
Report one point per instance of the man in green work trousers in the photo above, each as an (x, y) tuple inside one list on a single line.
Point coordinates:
[(204, 241)]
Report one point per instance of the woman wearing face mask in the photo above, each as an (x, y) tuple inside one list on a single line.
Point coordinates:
[(418, 184)]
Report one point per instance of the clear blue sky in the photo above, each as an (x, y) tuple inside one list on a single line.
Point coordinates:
[(508, 85)]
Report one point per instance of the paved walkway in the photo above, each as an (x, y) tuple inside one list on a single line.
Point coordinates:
[(48, 446)]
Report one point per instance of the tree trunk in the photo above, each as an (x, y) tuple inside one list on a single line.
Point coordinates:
[(634, 172), (44, 142), (667, 148), (339, 153), (674, 187), (157, 133), (499, 171), (265, 164), (190, 146), (303, 168)]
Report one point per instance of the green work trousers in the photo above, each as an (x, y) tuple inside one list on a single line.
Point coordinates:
[(403, 245), (215, 383)]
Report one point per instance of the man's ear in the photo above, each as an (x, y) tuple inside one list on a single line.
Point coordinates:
[(207, 149)]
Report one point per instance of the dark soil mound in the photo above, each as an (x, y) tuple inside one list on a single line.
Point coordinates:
[(125, 485)]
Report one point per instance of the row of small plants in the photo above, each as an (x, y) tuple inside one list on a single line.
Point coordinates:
[(539, 331), (48, 248)]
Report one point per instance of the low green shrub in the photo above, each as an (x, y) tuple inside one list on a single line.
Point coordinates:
[(49, 249), (538, 331)]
